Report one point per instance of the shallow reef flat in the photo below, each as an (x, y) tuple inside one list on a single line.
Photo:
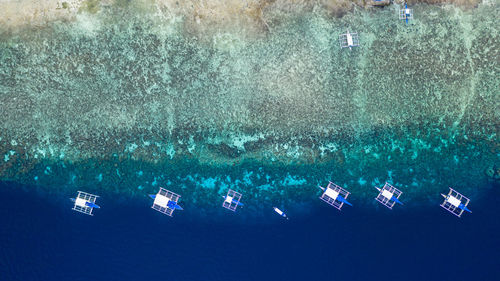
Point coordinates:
[(130, 96)]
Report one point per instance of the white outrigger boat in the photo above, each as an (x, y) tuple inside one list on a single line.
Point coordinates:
[(232, 200), (349, 40), (85, 203), (165, 202), (335, 195), (388, 195), (455, 203)]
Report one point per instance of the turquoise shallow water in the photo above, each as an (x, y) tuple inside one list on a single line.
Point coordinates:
[(126, 100)]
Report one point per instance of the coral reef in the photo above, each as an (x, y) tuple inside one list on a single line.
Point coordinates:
[(122, 104)]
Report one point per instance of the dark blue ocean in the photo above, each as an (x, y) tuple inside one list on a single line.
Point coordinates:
[(41, 238)]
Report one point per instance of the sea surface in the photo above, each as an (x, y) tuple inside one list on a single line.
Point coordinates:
[(41, 238)]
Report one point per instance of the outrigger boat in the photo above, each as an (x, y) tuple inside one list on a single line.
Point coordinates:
[(335, 195), (349, 40), (85, 203), (388, 195), (455, 203), (232, 200), (406, 14), (165, 201)]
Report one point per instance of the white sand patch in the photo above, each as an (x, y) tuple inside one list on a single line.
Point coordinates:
[(19, 13), (88, 24)]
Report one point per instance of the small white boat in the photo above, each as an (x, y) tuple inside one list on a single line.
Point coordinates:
[(280, 212)]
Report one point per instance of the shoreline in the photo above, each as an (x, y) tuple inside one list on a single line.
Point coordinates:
[(199, 17)]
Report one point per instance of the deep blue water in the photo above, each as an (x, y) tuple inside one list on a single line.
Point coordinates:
[(42, 239)]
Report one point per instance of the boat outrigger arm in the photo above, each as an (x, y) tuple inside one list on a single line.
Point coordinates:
[(171, 204), (88, 204), (239, 203)]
